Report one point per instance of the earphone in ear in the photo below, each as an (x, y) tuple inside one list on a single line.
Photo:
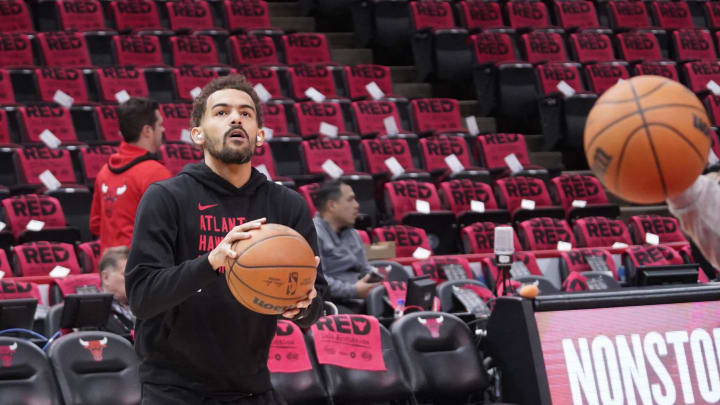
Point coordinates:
[(258, 138), (199, 136)]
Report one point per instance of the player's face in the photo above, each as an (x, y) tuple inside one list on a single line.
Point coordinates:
[(230, 126), (346, 208)]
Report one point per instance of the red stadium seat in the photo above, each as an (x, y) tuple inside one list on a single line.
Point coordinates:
[(71, 81), (402, 196), (21, 209), (602, 76), (81, 15), (307, 191), (244, 15), (138, 50), (306, 48), (693, 44), (317, 76), (551, 74), (135, 14), (601, 232), (193, 49), (666, 228), (107, 123), (34, 160), (582, 195), (591, 46), (666, 68), (275, 117), (359, 76), (67, 49), (117, 78), (700, 73), (543, 46), (436, 149), (527, 14), (628, 14), (176, 156), (639, 46), (436, 115), (40, 117), (317, 151), (407, 238), (188, 78), (15, 17), (574, 14), (268, 77), (544, 233), (576, 261), (376, 151), (176, 118), (17, 49), (480, 238), (431, 15), (89, 256), (369, 116), (189, 15), (435, 268), (40, 258), (492, 47), (252, 50), (712, 14), (310, 115), (672, 14), (93, 158), (512, 191), (479, 14)]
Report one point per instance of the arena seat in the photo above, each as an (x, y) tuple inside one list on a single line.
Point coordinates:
[(479, 237), (543, 233), (66, 49), (627, 15), (93, 158), (114, 79), (52, 117), (578, 261), (40, 258), (600, 232), (672, 15), (429, 343), (305, 48), (318, 76), (359, 76), (89, 256), (310, 115), (74, 284), (195, 15), (478, 15), (137, 50), (444, 268), (176, 156), (513, 191), (245, 15), (692, 44), (193, 49), (345, 385), (176, 119), (582, 195), (576, 14), (527, 14), (21, 209), (458, 196), (70, 81), (451, 304), (19, 20), (135, 14), (95, 367), (407, 238), (26, 376), (106, 122), (667, 228), (589, 46)]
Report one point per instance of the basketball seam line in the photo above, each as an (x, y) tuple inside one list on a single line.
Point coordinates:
[(622, 155), (260, 292), (262, 240), (683, 137), (658, 87), (649, 138), (619, 120)]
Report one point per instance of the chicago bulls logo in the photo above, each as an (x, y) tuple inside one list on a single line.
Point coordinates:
[(6, 354), (433, 325), (95, 347), (111, 196)]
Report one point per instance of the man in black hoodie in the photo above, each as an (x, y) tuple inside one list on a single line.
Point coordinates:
[(196, 342)]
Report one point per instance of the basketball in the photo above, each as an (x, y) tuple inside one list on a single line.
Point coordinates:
[(647, 138), (273, 270)]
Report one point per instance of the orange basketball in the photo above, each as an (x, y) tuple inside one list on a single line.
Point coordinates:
[(647, 138), (273, 270)]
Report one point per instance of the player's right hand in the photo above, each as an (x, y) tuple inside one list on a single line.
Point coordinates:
[(223, 252)]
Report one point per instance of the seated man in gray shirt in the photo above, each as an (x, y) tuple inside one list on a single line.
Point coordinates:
[(341, 249)]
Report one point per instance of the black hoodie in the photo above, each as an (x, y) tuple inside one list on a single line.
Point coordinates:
[(190, 330)]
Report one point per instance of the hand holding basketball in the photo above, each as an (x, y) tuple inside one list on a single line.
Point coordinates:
[(292, 313), (223, 252)]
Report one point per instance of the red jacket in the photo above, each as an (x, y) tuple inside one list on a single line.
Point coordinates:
[(118, 188)]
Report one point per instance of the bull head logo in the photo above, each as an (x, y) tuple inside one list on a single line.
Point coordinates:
[(110, 196), (433, 325), (6, 354), (95, 347)]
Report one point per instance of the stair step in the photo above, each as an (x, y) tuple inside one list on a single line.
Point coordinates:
[(628, 211), (413, 90), (349, 56), (403, 74), (550, 160), (534, 142), (298, 24), (284, 9), (340, 39)]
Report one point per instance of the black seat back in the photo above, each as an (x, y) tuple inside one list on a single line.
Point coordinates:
[(25, 374)]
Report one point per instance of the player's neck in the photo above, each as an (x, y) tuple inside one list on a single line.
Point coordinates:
[(235, 174)]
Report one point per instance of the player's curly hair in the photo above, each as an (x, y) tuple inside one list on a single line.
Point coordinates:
[(237, 82)]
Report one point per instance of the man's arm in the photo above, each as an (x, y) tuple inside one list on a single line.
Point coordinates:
[(698, 210), (153, 282)]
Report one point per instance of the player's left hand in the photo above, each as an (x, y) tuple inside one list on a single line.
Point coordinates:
[(292, 313)]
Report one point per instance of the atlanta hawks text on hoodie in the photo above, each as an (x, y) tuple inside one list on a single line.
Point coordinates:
[(118, 188), (190, 330)]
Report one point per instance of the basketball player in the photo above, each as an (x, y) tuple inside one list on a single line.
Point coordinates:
[(697, 209), (197, 344)]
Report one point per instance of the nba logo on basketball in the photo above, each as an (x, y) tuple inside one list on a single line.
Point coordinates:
[(292, 283)]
